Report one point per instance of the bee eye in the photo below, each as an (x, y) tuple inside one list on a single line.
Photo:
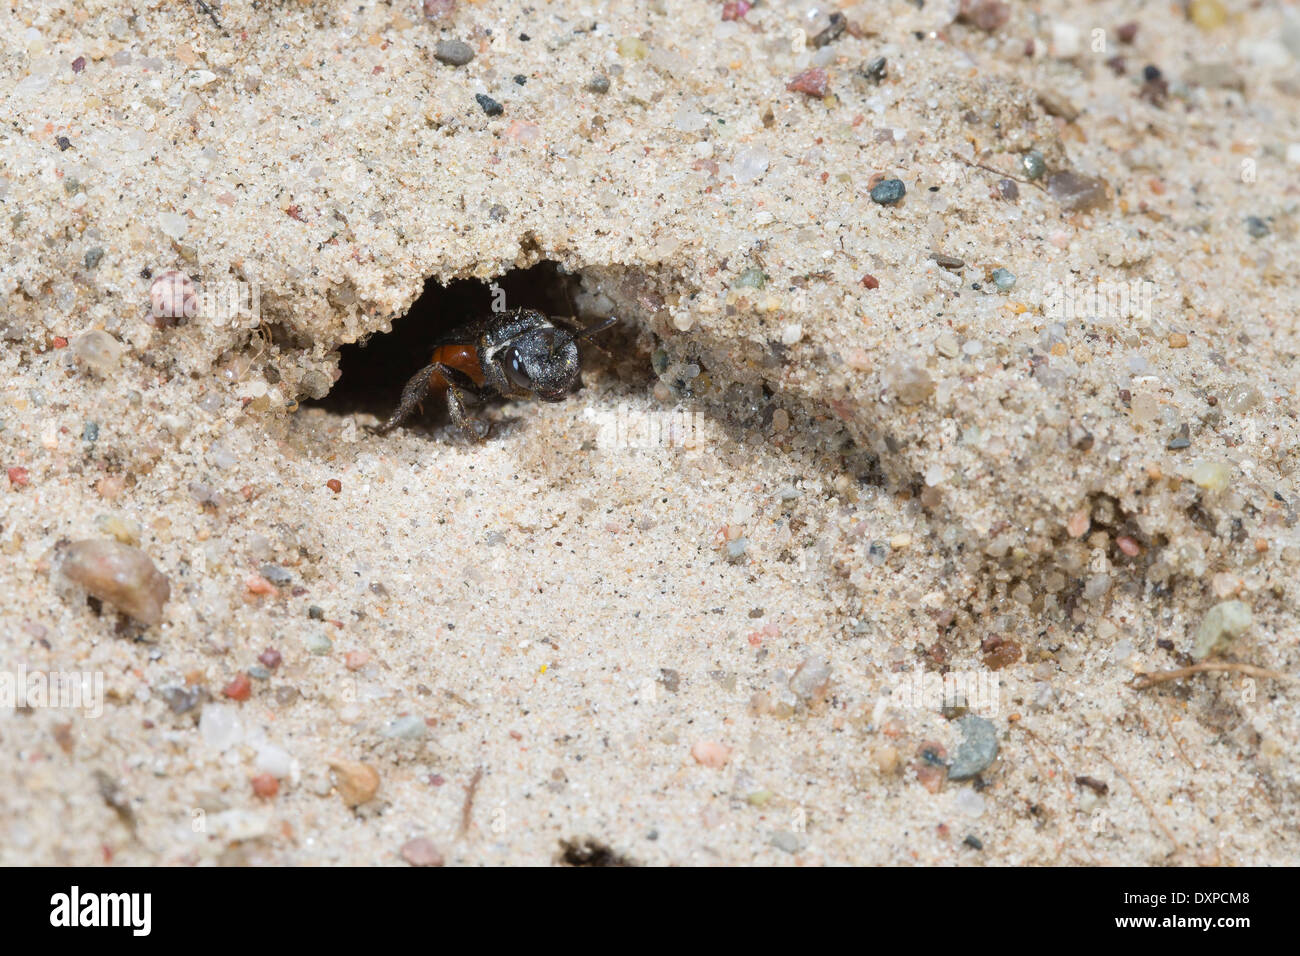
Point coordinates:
[(513, 365)]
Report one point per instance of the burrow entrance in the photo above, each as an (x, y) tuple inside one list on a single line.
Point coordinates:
[(373, 371)]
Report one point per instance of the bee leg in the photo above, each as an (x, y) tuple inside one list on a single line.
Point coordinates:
[(458, 385), (413, 393)]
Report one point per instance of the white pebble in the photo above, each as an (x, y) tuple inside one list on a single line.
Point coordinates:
[(220, 726)]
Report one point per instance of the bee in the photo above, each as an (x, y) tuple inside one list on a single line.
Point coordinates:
[(518, 354)]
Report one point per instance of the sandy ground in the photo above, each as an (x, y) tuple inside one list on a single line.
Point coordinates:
[(831, 456)]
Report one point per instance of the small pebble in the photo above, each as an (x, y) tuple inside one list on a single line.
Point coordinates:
[(421, 852), (1007, 189), (453, 52), (1212, 476), (240, 688), (436, 10), (270, 658), (265, 786), (978, 748), (1033, 164), (318, 644), (334, 485), (736, 549), (814, 82), (708, 753), (357, 782), (736, 9), (490, 106), (92, 257), (787, 841), (219, 726), (1179, 442), (256, 584), (888, 191), (90, 432), (409, 727), (1004, 279), (986, 15), (1077, 193), (121, 529), (812, 680), (1207, 14), (598, 84), (1224, 623), (831, 33), (1257, 227), (120, 575), (97, 350), (876, 69), (275, 574)]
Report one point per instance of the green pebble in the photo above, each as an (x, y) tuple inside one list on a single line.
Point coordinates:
[(888, 191), (1033, 164), (1004, 279), (751, 278), (318, 644), (1224, 622)]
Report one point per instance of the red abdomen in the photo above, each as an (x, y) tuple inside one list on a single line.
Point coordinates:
[(463, 358)]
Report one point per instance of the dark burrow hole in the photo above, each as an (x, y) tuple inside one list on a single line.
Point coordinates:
[(373, 371), (586, 851)]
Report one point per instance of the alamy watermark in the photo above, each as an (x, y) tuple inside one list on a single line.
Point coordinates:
[(978, 690), (173, 296), (626, 428), (1102, 299), (61, 690)]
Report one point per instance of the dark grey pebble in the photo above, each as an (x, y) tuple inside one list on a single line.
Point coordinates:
[(490, 106), (275, 574), (1257, 227), (888, 191), (598, 84), (832, 32)]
